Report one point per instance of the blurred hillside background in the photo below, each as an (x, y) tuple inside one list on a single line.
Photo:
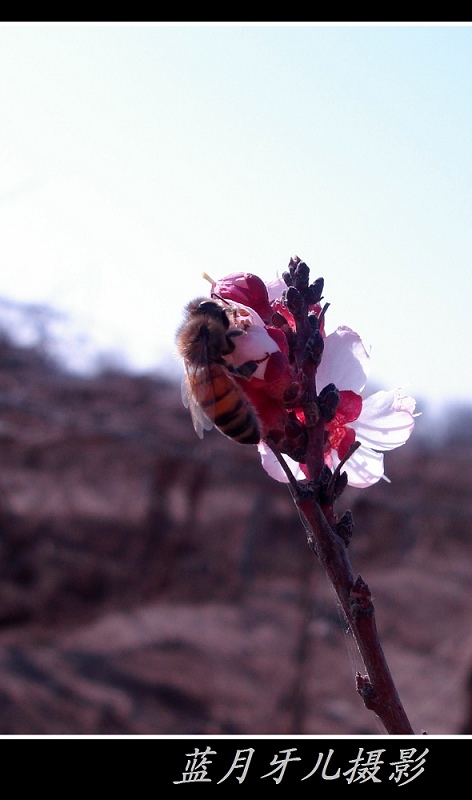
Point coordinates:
[(151, 583)]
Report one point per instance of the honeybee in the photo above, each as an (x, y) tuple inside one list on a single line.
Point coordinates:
[(208, 389)]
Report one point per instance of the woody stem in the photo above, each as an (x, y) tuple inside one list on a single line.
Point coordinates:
[(377, 689), (316, 504)]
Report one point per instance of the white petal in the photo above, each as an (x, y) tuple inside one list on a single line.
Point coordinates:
[(275, 289), (385, 421), (345, 361), (273, 468), (364, 467), (254, 345)]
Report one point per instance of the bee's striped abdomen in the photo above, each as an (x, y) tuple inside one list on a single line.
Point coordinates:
[(230, 411)]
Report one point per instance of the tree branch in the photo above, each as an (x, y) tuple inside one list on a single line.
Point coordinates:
[(377, 688), (315, 500)]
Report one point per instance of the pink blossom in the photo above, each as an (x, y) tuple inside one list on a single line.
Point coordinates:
[(268, 348), (247, 289), (380, 422)]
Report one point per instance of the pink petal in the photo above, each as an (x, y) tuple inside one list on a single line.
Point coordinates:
[(254, 345), (349, 408), (246, 288), (345, 361), (275, 289), (386, 420), (364, 467)]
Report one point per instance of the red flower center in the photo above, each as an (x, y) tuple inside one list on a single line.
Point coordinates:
[(340, 436)]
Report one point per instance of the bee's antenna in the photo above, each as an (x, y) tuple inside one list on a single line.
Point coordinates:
[(218, 297)]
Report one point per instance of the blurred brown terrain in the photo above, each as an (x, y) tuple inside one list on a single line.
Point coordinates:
[(151, 583)]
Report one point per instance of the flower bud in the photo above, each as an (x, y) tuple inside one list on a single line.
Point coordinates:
[(301, 276), (287, 278), (328, 401), (314, 292), (314, 348), (345, 527), (294, 301), (340, 484)]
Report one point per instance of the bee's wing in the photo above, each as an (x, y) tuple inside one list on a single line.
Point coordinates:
[(191, 392)]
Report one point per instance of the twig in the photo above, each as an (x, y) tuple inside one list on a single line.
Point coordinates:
[(377, 688), (315, 501)]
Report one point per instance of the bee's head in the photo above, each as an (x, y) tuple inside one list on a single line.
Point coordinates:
[(214, 310)]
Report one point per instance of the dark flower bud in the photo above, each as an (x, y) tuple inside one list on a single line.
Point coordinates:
[(345, 527), (291, 394), (314, 348), (294, 301), (292, 264), (298, 453), (325, 478), (293, 450), (275, 435), (301, 276), (287, 277), (328, 401), (293, 426), (315, 291), (361, 597), (340, 484), (278, 320), (295, 438)]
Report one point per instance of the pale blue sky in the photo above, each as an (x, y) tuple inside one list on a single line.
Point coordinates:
[(132, 157)]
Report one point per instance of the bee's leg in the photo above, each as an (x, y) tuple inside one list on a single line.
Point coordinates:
[(246, 370), (230, 336)]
